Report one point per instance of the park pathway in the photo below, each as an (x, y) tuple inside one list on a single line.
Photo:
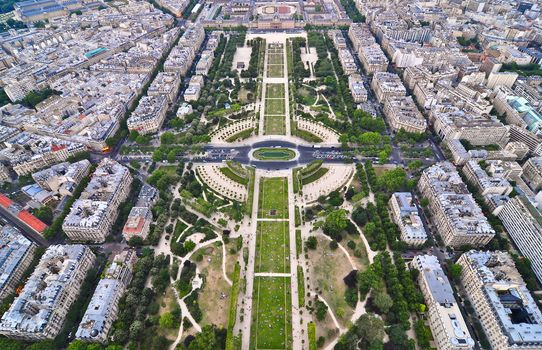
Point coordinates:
[(297, 332), (249, 277)]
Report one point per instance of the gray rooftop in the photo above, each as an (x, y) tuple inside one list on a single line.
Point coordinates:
[(14, 248), (511, 302)]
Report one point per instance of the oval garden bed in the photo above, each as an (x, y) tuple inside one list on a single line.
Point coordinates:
[(270, 154)]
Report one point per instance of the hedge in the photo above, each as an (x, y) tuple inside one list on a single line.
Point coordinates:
[(233, 307)]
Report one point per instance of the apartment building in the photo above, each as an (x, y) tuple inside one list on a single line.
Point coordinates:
[(174, 6), (166, 84), (531, 140), (404, 213), (447, 325), (452, 122), (148, 196), (386, 85), (508, 313), (460, 156), (517, 110), (40, 309), (15, 257), (179, 60), (456, 215), (508, 170), (138, 223), (347, 62), (532, 173), (518, 148), (181, 56), (102, 310), (523, 223), (140, 217), (4, 173), (360, 35), (358, 91), (373, 59), (193, 36), (402, 113), (62, 178), (486, 184), (149, 115), (93, 214), (193, 90), (205, 62), (26, 152), (501, 79)]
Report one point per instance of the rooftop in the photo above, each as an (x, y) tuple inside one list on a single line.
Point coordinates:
[(511, 302), (445, 304), (33, 308), (15, 247)]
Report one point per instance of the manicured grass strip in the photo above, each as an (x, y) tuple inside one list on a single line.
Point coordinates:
[(311, 329), (298, 243), (300, 286), (274, 106), (233, 176), (272, 314), (237, 168), (311, 167), (297, 216), (315, 176), (274, 91), (275, 71), (274, 154), (232, 317), (275, 125), (250, 198), (273, 201), (272, 247), (240, 135), (295, 172), (306, 135), (275, 58)]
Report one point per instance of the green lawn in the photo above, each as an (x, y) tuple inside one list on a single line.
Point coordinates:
[(272, 247), (275, 125), (233, 176), (314, 176), (300, 286), (273, 198), (275, 71), (274, 91), (272, 312), (276, 57), (274, 106), (274, 154)]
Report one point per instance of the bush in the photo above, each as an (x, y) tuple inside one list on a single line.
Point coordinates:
[(311, 243)]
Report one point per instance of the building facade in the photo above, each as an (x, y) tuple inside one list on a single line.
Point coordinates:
[(523, 223), (449, 329), (91, 216), (508, 313), (102, 310), (16, 256), (404, 213), (40, 310), (456, 215)]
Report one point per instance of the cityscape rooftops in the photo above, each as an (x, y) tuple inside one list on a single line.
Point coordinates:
[(15, 247), (456, 201), (99, 308), (148, 195), (32, 309), (443, 301), (511, 302)]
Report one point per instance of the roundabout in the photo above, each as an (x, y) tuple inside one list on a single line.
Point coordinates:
[(274, 154)]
